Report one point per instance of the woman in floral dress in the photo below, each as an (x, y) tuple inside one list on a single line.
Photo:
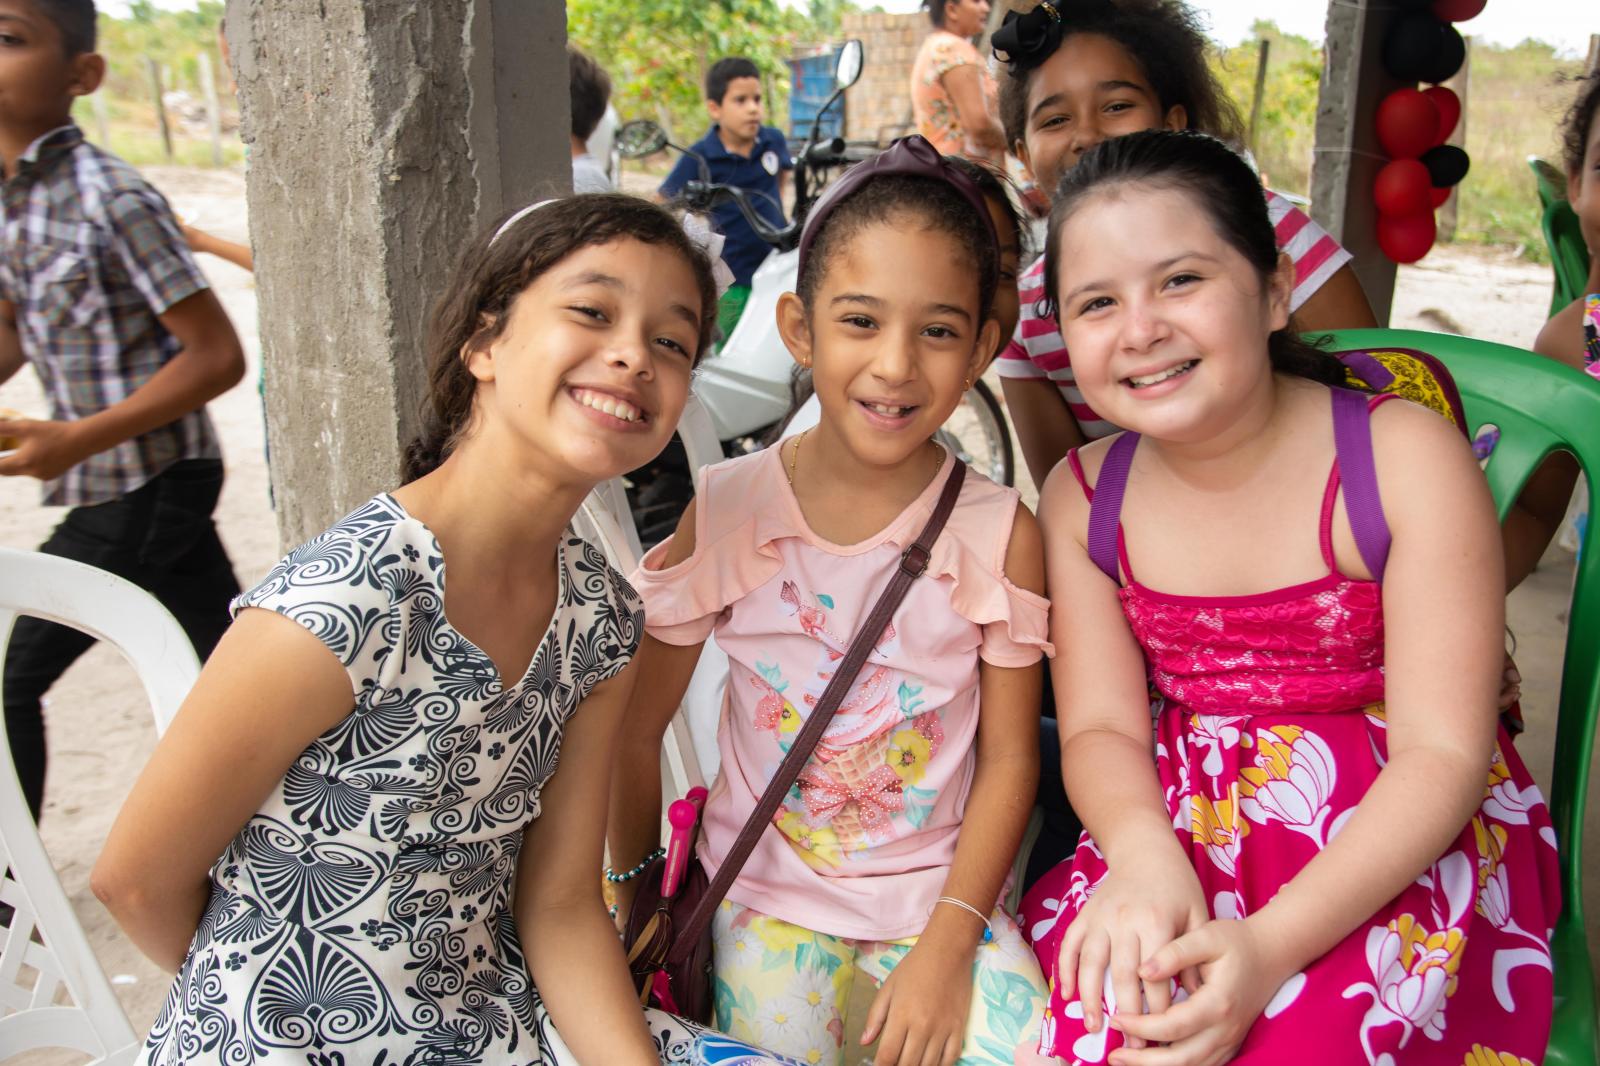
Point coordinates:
[(952, 91)]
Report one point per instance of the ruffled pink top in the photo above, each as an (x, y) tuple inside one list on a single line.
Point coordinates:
[(863, 843)]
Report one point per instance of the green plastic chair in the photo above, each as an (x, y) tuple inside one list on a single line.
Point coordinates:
[(1569, 256), (1541, 406)]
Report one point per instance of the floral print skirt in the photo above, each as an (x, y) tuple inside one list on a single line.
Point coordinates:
[(1456, 970)]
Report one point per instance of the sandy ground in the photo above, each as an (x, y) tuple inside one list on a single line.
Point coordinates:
[(100, 727)]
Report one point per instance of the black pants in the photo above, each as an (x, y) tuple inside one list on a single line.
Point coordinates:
[(160, 537)]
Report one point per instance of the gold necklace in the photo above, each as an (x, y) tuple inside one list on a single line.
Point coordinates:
[(794, 456)]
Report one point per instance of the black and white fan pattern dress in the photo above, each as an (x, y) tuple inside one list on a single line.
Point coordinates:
[(362, 915)]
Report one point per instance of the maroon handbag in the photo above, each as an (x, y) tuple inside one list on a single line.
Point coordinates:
[(670, 938)]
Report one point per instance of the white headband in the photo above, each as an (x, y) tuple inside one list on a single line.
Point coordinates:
[(696, 228), (518, 217)]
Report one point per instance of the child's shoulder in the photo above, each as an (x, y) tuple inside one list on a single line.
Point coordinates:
[(1561, 338), (104, 179), (593, 579), (739, 485), (346, 574)]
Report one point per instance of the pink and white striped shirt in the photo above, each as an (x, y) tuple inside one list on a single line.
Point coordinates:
[(1037, 351)]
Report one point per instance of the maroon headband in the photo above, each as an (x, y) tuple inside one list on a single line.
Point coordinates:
[(913, 156)]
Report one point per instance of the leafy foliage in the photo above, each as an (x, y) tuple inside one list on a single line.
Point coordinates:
[(176, 40)]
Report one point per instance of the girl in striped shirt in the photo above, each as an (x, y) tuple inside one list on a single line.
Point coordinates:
[(1095, 69)]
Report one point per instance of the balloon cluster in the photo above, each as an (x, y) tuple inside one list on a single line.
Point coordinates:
[(1413, 124)]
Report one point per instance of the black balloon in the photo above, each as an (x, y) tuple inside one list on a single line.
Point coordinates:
[(1446, 165), (1448, 59), (1411, 47)]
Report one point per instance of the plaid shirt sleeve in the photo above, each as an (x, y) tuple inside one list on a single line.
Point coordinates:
[(146, 241)]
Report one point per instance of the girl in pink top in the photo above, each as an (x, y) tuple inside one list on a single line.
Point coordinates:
[(1326, 842), (1076, 74), (892, 850)]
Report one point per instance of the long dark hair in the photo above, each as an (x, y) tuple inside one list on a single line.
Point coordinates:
[(1578, 121), (493, 271), (1220, 183), (1165, 37)]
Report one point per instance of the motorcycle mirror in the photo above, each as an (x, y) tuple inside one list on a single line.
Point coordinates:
[(848, 67), (639, 138)]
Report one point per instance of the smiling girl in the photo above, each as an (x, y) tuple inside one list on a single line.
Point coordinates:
[(354, 844), (1326, 838), (889, 855), (1079, 73)]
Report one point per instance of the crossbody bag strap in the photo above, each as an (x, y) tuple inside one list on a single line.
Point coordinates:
[(913, 561)]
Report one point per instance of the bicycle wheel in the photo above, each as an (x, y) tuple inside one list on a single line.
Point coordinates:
[(977, 433)]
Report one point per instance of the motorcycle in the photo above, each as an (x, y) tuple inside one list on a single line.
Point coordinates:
[(746, 386)]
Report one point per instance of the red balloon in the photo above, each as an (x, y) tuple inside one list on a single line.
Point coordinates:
[(1458, 10), (1402, 187), (1408, 123), (1449, 105), (1406, 238), (1437, 196)]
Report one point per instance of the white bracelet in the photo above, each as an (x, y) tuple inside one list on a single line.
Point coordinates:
[(988, 932)]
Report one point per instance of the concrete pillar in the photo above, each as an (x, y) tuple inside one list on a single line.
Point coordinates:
[(1347, 156), (382, 135)]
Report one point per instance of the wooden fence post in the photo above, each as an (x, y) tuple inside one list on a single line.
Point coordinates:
[(208, 86), (102, 119), (1462, 84), (161, 107), (1261, 88)]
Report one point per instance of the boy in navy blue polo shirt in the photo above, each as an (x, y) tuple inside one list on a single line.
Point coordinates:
[(739, 151)]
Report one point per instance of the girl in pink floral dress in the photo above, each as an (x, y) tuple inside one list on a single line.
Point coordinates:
[(1324, 852)]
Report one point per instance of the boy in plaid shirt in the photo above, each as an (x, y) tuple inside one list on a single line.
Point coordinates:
[(99, 292)]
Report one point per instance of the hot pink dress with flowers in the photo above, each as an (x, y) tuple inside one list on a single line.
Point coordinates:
[(1270, 732)]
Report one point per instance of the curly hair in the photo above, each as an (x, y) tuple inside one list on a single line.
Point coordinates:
[(1221, 184), (1166, 38), (997, 188), (493, 272), (1579, 120), (897, 197)]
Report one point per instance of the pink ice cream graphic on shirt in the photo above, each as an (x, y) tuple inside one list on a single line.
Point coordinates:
[(870, 707)]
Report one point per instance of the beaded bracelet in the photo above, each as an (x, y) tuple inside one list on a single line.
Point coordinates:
[(617, 879)]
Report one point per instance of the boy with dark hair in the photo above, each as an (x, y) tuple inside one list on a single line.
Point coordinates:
[(99, 292), (591, 91), (738, 150)]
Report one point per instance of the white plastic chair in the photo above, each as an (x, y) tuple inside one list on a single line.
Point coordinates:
[(125, 616), (689, 755)]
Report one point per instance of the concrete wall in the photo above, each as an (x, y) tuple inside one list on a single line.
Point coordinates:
[(383, 134)]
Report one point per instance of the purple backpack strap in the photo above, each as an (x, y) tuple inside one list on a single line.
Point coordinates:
[(1352, 441), (1105, 509)]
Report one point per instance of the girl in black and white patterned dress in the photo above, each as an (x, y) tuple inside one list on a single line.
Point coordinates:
[(403, 875)]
